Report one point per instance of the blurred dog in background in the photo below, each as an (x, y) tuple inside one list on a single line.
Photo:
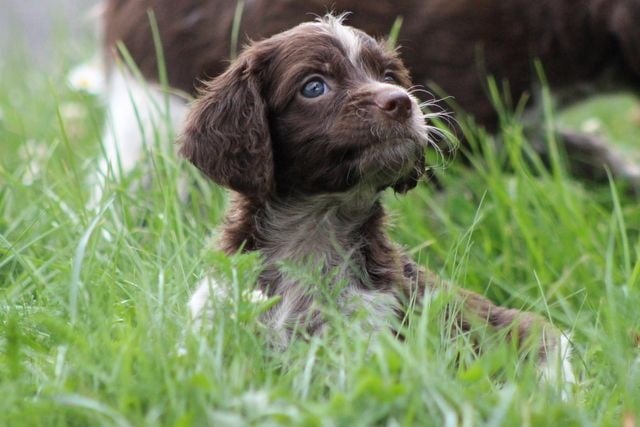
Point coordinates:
[(450, 47)]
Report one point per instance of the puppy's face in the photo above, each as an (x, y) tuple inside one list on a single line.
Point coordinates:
[(319, 108)]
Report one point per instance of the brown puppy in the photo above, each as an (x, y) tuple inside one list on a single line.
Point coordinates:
[(308, 128), (452, 45)]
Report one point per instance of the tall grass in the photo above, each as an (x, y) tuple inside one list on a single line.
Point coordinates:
[(93, 303)]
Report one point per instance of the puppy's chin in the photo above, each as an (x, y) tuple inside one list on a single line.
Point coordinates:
[(398, 163)]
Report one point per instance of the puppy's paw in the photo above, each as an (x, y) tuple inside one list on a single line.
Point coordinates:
[(555, 369), (201, 302)]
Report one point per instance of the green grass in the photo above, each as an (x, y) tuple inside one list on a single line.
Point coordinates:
[(93, 330)]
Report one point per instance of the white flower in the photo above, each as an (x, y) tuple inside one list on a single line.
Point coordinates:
[(254, 296), (255, 401), (592, 125), (70, 111), (87, 77), (33, 154), (74, 117)]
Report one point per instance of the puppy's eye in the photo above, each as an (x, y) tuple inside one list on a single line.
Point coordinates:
[(314, 88), (389, 77)]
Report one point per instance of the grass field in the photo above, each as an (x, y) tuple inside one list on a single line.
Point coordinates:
[(93, 319)]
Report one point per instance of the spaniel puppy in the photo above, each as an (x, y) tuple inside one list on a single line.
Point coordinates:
[(308, 128)]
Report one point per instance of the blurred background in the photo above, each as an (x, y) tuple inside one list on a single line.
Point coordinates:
[(36, 28)]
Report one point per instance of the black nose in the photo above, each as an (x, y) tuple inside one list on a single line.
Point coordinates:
[(395, 103)]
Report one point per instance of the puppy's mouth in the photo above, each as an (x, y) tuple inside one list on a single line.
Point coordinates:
[(385, 162)]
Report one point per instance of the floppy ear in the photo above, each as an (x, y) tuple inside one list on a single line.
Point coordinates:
[(227, 135)]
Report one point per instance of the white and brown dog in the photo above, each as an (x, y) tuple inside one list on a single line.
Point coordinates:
[(308, 128)]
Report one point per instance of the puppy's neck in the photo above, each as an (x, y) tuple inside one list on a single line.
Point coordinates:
[(257, 225), (308, 227), (327, 231)]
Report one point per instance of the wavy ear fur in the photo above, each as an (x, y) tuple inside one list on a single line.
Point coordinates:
[(227, 135)]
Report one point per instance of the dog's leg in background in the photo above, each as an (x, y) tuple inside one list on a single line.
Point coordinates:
[(589, 156), (592, 156), (139, 117)]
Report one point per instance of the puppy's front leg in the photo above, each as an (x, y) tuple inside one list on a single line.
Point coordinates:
[(471, 309)]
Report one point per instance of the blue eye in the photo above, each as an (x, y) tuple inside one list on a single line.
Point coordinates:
[(314, 88), (389, 77)]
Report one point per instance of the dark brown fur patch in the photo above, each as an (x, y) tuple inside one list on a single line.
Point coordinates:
[(454, 45)]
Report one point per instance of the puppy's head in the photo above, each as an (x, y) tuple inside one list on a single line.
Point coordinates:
[(320, 108)]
